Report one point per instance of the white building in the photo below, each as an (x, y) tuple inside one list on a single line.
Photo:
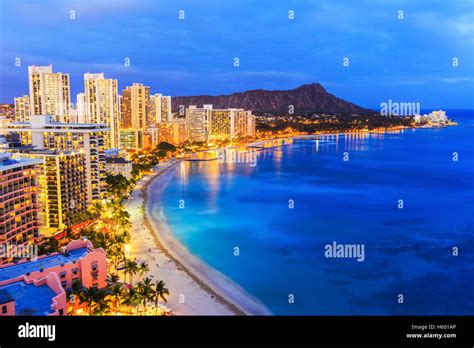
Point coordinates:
[(22, 109), (119, 165), (160, 108), (102, 105), (49, 92), (43, 133)]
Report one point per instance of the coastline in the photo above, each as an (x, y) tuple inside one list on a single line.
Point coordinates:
[(195, 288)]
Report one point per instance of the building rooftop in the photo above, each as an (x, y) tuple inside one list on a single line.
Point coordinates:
[(5, 296), (117, 160), (7, 162), (30, 299), (19, 269)]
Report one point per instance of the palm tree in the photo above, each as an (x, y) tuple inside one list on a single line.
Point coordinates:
[(131, 298), (114, 279), (145, 290), (101, 302), (96, 209), (89, 297), (122, 218), (131, 267), (142, 269), (116, 292), (160, 291)]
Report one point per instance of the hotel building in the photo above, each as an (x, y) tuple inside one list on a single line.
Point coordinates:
[(37, 287), (49, 93), (231, 123), (135, 113), (63, 187), (197, 123), (102, 105), (22, 109), (43, 133), (160, 108), (19, 207), (172, 132), (119, 165)]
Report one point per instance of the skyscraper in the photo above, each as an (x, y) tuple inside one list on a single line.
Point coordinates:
[(197, 123), (102, 105), (160, 108), (135, 112), (49, 92)]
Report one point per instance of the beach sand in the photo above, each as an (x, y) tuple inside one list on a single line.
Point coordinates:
[(195, 288)]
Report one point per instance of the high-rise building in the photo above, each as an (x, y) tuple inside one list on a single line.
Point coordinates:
[(19, 207), (135, 107), (172, 132), (81, 108), (63, 187), (49, 92), (160, 108), (197, 123), (43, 133), (102, 105), (231, 123), (22, 109), (135, 115)]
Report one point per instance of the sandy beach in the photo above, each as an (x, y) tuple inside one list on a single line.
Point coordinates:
[(195, 288)]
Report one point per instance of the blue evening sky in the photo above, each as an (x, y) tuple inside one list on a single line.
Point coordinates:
[(409, 60)]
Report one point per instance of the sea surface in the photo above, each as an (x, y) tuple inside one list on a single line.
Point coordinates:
[(401, 196)]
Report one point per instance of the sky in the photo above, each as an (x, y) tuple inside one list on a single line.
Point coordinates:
[(403, 56)]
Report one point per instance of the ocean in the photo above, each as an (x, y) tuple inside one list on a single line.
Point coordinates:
[(405, 199)]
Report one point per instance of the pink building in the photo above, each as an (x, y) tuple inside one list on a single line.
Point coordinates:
[(37, 287)]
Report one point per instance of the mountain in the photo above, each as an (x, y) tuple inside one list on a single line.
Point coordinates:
[(309, 98)]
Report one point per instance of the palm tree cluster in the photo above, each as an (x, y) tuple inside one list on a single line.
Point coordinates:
[(111, 299)]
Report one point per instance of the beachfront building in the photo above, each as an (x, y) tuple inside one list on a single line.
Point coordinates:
[(43, 133), (231, 123), (119, 165), (62, 188), (19, 207), (49, 93), (197, 123), (172, 132), (435, 118), (50, 276), (101, 105), (22, 109), (26, 296)]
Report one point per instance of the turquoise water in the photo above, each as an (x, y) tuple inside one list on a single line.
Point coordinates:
[(408, 251)]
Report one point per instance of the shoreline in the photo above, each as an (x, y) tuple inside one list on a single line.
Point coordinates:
[(224, 296)]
